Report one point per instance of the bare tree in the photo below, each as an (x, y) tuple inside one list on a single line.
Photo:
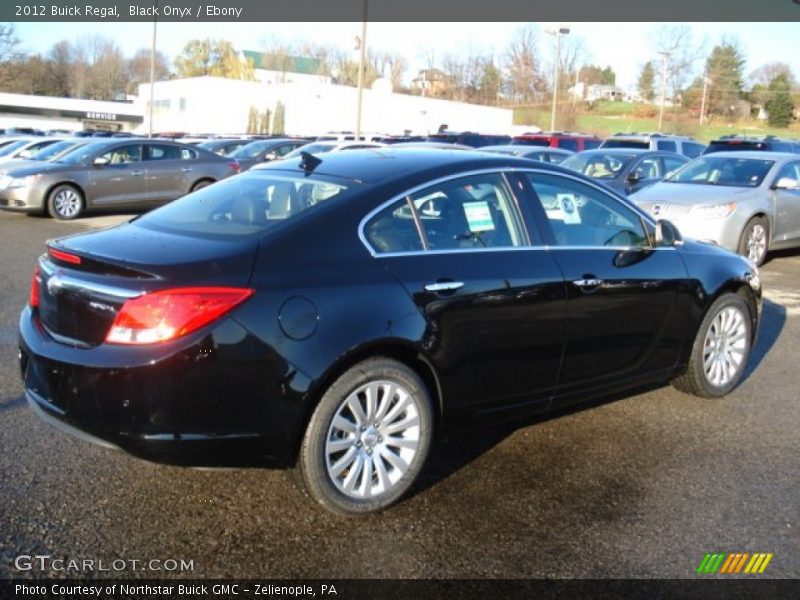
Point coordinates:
[(9, 54), (523, 65), (138, 68), (682, 54)]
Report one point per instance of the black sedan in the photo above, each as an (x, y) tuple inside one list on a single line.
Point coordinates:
[(626, 170), (332, 313)]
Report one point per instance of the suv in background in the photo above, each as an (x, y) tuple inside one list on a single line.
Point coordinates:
[(468, 138), (770, 143), (576, 142), (679, 144)]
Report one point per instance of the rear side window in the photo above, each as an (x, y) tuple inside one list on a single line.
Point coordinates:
[(188, 154), (568, 144), (465, 213), (244, 205), (158, 152), (667, 146)]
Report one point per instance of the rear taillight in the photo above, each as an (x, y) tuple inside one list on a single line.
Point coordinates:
[(234, 166), (168, 314), (33, 299), (66, 257)]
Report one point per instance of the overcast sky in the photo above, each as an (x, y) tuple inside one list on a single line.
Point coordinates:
[(623, 46)]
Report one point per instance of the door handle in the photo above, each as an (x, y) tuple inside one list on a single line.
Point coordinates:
[(186, 169), (587, 282), (135, 173), (444, 286)]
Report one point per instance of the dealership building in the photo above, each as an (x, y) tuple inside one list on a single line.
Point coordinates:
[(47, 112), (295, 105)]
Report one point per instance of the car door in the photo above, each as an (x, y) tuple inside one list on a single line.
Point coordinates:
[(494, 306), (620, 290), (165, 172), (645, 171), (120, 180), (787, 205)]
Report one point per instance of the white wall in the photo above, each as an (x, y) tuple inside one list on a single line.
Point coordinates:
[(217, 105)]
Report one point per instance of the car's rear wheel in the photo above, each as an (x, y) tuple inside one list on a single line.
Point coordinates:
[(368, 438), (754, 243), (720, 351), (65, 202), (201, 184)]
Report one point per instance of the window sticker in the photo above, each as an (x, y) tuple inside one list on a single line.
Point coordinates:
[(569, 209), (479, 218)]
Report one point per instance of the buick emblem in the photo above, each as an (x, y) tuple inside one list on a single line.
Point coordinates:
[(54, 284), (656, 210)]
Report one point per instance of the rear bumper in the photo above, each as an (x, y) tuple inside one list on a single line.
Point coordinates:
[(222, 398)]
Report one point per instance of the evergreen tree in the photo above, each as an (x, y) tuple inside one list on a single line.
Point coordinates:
[(646, 83), (780, 106)]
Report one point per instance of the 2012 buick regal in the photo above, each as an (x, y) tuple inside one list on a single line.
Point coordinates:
[(332, 313)]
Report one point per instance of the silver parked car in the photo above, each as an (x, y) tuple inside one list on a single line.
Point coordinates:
[(112, 174), (748, 202)]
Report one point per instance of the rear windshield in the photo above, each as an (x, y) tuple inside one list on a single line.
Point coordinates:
[(244, 205), (612, 143), (735, 145), (531, 142), (726, 171), (252, 150)]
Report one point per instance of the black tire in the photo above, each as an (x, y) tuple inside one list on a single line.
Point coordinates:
[(201, 184), (754, 243), (370, 446), (65, 202), (697, 380)]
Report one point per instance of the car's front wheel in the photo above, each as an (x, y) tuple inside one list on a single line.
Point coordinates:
[(368, 438), (720, 351), (754, 242), (65, 202)]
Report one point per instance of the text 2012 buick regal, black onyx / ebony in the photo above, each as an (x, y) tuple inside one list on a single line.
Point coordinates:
[(333, 312)]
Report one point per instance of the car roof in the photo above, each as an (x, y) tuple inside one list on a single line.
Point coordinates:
[(385, 164), (627, 151), (521, 149)]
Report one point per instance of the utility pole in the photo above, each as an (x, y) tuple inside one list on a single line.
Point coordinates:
[(665, 56), (361, 72), (703, 101)]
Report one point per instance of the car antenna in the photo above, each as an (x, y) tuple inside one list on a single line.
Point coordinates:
[(309, 162)]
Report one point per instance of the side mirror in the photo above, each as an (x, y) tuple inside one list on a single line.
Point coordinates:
[(633, 177), (667, 234), (270, 156), (786, 183), (100, 161), (26, 154)]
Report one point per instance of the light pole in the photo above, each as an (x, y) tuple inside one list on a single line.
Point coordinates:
[(665, 56), (363, 45), (557, 33), (152, 75)]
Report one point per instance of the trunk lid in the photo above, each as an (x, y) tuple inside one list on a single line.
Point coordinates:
[(81, 292)]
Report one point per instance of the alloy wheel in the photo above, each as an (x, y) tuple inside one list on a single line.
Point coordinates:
[(757, 243), (725, 346), (373, 439), (67, 203)]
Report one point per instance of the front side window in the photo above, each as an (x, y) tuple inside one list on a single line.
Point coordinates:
[(580, 215), (459, 214), (648, 168), (124, 154)]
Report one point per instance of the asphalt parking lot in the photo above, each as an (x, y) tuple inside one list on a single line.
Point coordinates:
[(640, 486)]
